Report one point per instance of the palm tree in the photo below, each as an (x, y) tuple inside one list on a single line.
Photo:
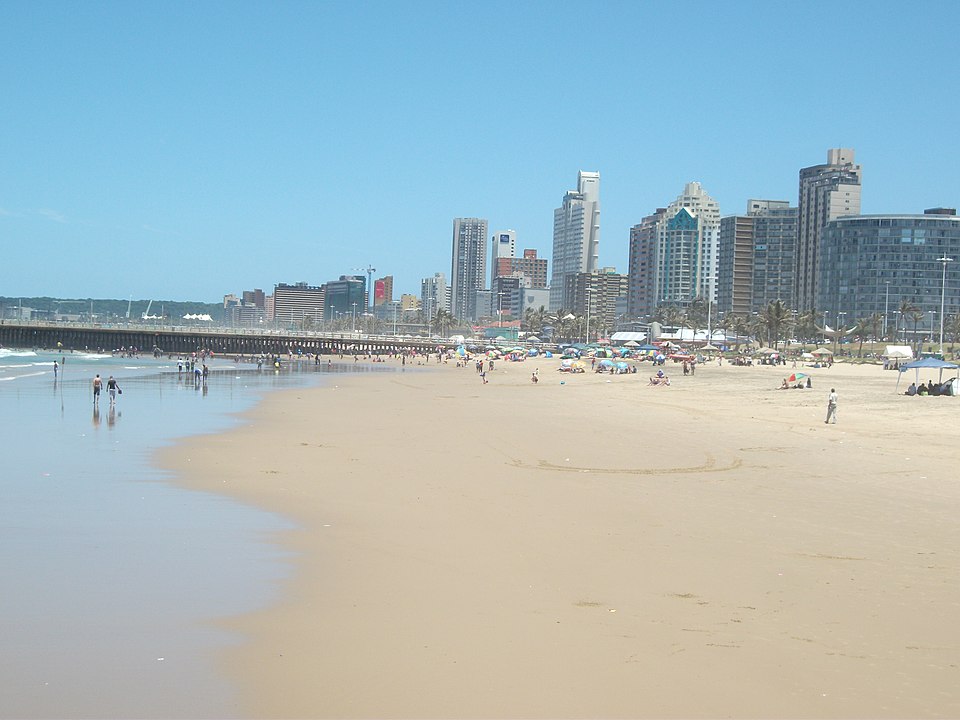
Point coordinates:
[(916, 315), (875, 321), (696, 315), (740, 326), (862, 331), (562, 324), (534, 320), (952, 328), (756, 327), (776, 318), (807, 324), (442, 320), (906, 307)]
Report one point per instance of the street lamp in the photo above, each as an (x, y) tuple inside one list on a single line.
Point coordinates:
[(943, 295), (886, 306), (587, 291)]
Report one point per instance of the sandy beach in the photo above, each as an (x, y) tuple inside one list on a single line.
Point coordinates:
[(592, 546)]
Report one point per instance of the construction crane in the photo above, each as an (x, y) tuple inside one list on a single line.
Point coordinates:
[(369, 270)]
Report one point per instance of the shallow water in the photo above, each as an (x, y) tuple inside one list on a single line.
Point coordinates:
[(111, 577)]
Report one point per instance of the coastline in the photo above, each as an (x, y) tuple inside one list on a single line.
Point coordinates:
[(599, 547)]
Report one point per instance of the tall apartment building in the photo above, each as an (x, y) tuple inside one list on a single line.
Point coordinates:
[(597, 293), (674, 253), (468, 271), (826, 192), (294, 304), (642, 272), (576, 236), (503, 245), (530, 267), (757, 262), (872, 263), (383, 291), (434, 295)]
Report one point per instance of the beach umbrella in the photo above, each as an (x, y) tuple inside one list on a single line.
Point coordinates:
[(796, 376), (622, 366), (631, 343), (822, 351), (606, 363)]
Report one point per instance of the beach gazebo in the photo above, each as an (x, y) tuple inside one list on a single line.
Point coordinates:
[(927, 362)]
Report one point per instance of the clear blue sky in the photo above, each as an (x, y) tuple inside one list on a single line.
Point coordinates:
[(182, 151)]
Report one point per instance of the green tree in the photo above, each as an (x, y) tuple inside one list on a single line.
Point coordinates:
[(442, 321), (776, 318), (861, 331), (534, 320)]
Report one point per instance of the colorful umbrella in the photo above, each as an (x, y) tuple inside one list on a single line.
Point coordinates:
[(796, 376)]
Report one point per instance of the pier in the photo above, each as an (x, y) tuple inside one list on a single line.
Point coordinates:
[(185, 340)]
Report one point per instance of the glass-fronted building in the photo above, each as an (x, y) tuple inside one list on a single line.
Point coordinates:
[(872, 263)]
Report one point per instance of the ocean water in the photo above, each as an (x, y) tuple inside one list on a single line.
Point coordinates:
[(111, 578)]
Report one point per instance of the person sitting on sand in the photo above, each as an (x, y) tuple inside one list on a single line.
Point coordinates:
[(784, 385), (912, 390), (922, 389)]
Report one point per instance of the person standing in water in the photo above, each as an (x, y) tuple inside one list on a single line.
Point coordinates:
[(112, 389), (97, 386)]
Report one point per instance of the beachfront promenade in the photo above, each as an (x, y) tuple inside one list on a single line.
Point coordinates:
[(177, 339)]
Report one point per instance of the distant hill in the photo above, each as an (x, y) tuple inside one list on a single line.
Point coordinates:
[(107, 309)]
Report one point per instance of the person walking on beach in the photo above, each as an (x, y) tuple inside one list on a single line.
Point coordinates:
[(97, 385), (831, 407), (56, 368), (113, 389)]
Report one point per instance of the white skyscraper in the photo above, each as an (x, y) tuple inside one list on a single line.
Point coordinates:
[(699, 269), (434, 295), (503, 244), (673, 253), (576, 236)]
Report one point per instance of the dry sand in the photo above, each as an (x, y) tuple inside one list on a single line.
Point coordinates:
[(600, 548)]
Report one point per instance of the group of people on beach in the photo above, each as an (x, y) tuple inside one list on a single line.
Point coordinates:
[(113, 389), (929, 389)]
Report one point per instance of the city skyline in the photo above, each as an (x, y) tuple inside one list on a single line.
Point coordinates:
[(181, 151)]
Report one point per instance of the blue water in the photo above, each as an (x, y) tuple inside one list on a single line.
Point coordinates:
[(110, 577)]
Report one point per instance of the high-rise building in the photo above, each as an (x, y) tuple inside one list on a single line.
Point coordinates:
[(345, 296), (757, 259), (642, 273), (674, 253), (503, 245), (507, 293), (383, 291), (434, 295), (532, 268), (468, 271), (596, 294), (873, 263), (295, 304), (826, 192), (576, 236)]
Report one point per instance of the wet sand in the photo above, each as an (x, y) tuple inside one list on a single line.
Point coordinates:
[(600, 547)]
